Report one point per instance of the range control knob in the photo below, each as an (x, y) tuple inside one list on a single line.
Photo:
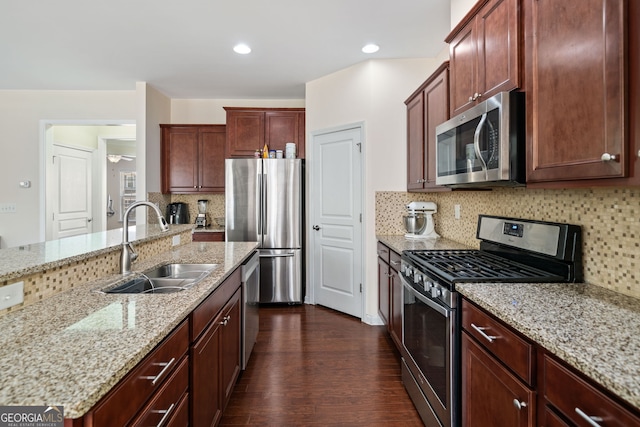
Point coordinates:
[(435, 291), (418, 278)]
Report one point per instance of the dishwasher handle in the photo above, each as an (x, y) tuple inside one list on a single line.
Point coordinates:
[(250, 266)]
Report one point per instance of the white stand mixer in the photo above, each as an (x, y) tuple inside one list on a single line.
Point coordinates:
[(419, 220)]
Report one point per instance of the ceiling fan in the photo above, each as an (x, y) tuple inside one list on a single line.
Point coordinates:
[(115, 158)]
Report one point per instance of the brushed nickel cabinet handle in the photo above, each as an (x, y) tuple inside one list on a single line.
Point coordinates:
[(593, 421), (166, 414), (606, 157), (484, 335), (166, 365), (519, 405)]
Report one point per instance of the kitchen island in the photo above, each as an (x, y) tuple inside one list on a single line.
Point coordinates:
[(72, 348)]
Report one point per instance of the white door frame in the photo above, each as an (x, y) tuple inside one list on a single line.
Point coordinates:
[(311, 204), (46, 148)]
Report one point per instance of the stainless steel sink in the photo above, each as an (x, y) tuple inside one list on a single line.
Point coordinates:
[(164, 279)]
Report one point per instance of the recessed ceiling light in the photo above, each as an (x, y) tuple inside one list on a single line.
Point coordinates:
[(371, 48), (242, 49)]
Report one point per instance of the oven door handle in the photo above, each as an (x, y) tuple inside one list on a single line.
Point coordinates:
[(441, 310)]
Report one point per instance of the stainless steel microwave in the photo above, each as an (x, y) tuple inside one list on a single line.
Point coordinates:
[(484, 146)]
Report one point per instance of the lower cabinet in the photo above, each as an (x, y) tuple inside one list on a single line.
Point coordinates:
[(188, 378), (215, 352), (509, 381), (390, 292), (207, 236)]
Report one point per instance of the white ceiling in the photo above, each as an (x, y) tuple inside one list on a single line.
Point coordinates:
[(184, 48)]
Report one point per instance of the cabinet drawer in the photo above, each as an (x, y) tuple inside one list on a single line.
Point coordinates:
[(383, 252), (516, 353), (126, 398), (209, 308), (571, 394), (166, 403), (207, 236), (394, 260)]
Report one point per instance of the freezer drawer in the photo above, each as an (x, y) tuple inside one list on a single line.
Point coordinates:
[(281, 276)]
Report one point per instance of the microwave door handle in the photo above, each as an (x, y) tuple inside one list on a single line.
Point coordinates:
[(476, 145)]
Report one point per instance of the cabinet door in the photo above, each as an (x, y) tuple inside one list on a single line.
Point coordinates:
[(282, 127), (230, 347), (463, 55), (245, 133), (416, 154), (436, 111), (384, 296), (490, 392), (396, 308), (498, 37), (206, 402), (179, 159), (211, 159), (576, 90)]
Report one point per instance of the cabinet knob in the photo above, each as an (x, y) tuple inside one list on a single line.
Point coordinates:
[(606, 157), (519, 405), (471, 99), (475, 96)]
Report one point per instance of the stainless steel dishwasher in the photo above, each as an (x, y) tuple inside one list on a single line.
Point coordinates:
[(251, 301)]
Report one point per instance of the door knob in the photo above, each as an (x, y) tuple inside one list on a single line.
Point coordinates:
[(89, 219), (316, 227)]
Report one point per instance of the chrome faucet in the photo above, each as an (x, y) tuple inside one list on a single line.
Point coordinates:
[(128, 255)]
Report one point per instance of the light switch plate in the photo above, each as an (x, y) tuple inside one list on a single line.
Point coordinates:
[(11, 295), (456, 211)]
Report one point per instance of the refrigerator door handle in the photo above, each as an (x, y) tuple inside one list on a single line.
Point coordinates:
[(265, 208), (290, 254), (260, 197)]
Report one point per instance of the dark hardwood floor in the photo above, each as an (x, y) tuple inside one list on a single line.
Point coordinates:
[(315, 366)]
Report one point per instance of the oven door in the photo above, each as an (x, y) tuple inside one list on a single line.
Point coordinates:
[(429, 342)]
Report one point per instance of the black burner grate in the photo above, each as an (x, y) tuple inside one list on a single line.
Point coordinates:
[(476, 266)]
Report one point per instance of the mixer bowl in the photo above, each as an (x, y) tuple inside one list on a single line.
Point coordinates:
[(415, 223)]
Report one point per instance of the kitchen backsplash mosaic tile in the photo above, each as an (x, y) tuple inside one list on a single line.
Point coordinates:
[(610, 220), (215, 207), (59, 279)]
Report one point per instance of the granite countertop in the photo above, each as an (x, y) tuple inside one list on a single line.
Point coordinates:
[(37, 257), (209, 229), (72, 348), (593, 329), (401, 243)]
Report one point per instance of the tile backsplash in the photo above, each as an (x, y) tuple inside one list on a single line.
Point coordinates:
[(609, 217), (215, 207)]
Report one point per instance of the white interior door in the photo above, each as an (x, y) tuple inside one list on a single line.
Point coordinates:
[(71, 192), (336, 220)]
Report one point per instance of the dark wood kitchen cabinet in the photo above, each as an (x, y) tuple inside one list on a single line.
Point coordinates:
[(207, 236), (583, 95), (192, 158), (215, 352), (158, 385), (508, 380), (569, 396), (384, 290), (497, 372), (249, 129), (427, 107), (485, 53), (390, 292)]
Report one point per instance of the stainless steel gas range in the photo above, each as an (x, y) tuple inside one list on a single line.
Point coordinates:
[(511, 251)]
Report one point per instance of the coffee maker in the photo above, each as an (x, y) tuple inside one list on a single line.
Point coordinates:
[(177, 213), (201, 218)]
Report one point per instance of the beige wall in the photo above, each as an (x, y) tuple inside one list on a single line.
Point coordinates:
[(153, 109), (21, 113), (459, 8), (372, 92), (210, 111)]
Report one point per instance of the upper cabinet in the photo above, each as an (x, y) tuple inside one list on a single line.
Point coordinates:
[(582, 70), (427, 107), (192, 158), (485, 53), (249, 129)]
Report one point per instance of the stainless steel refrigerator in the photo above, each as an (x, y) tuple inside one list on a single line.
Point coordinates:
[(263, 204)]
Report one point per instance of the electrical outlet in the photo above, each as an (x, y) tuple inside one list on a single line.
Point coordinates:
[(11, 295), (176, 240), (456, 211), (7, 208)]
